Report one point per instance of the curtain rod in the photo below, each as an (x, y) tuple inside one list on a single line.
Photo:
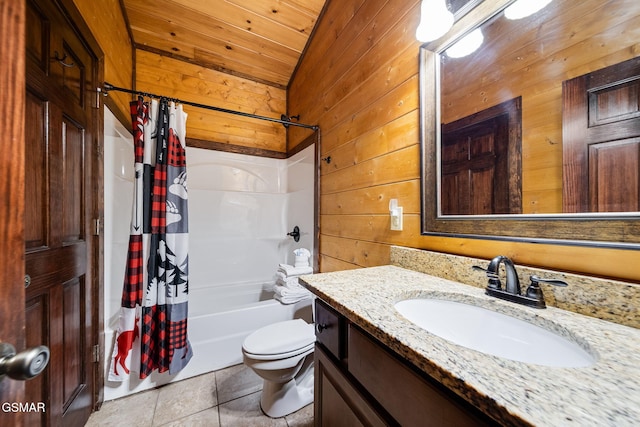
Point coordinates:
[(284, 120)]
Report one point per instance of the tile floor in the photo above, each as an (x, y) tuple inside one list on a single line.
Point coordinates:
[(226, 398)]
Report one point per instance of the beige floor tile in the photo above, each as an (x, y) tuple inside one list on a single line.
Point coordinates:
[(135, 410), (177, 400), (236, 381), (192, 403), (206, 418), (246, 412), (301, 418)]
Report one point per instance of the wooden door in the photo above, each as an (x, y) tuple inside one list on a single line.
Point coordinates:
[(471, 164), (11, 194), (601, 140), (480, 158), (60, 201)]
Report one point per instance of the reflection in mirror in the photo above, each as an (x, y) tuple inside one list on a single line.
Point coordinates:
[(565, 54), (554, 68), (480, 158)]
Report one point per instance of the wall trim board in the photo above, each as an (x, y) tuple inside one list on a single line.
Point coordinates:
[(232, 148), (218, 146), (221, 146)]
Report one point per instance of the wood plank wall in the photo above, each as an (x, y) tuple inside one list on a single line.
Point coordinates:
[(153, 73), (173, 78), (109, 28), (359, 81)]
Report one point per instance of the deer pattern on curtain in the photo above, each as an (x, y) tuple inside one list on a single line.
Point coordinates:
[(152, 324)]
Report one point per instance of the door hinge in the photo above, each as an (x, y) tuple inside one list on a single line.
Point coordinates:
[(96, 227), (96, 353)]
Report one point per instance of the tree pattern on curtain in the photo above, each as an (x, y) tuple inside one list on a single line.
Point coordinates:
[(152, 329)]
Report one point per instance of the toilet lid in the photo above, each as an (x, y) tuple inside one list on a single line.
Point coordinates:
[(280, 337)]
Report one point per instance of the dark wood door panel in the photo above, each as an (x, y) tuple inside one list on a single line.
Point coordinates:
[(36, 162), (60, 204), (483, 198), (60, 64), (481, 162), (54, 266), (600, 131), (37, 333), (37, 37), (73, 74), (35, 104), (614, 104), (73, 333), (614, 177), (58, 315), (73, 188)]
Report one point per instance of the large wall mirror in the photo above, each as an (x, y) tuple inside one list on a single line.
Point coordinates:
[(533, 133)]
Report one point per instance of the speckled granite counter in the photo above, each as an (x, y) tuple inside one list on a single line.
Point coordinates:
[(514, 393), (605, 299)]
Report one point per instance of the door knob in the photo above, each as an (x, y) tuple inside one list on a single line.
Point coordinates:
[(24, 365)]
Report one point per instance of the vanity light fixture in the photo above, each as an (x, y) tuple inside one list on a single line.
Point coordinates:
[(523, 8), (435, 20), (466, 45)]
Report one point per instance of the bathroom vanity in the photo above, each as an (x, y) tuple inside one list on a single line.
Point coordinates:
[(375, 367), (360, 382)]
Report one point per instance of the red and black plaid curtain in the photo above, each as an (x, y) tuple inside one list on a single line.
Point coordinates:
[(152, 329)]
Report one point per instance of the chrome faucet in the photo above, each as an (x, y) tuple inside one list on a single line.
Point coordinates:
[(533, 296)]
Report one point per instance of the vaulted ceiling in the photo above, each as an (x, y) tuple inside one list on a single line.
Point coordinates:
[(257, 39)]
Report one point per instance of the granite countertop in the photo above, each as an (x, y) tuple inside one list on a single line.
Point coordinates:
[(606, 393)]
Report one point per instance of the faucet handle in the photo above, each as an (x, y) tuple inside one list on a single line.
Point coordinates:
[(477, 267), (555, 282), (534, 290), (494, 277)]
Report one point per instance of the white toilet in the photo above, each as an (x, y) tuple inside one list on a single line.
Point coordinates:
[(282, 354)]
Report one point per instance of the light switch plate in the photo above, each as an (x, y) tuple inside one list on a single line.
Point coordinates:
[(396, 220)]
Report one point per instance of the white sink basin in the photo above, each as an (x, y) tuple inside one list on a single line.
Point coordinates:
[(493, 333)]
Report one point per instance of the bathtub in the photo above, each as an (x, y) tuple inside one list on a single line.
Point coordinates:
[(220, 317)]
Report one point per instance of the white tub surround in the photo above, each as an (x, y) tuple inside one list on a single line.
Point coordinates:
[(512, 393), (241, 208)]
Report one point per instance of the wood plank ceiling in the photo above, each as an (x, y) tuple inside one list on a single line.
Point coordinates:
[(261, 40)]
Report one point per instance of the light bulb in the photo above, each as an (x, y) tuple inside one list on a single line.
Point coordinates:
[(523, 8), (435, 20), (466, 45)]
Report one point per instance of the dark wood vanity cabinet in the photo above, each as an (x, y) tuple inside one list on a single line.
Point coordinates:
[(360, 382)]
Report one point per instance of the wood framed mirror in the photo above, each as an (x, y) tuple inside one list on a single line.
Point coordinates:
[(593, 40)]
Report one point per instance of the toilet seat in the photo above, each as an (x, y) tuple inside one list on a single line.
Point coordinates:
[(280, 340), (280, 356)]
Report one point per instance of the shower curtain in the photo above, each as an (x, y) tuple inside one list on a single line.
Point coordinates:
[(152, 323)]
